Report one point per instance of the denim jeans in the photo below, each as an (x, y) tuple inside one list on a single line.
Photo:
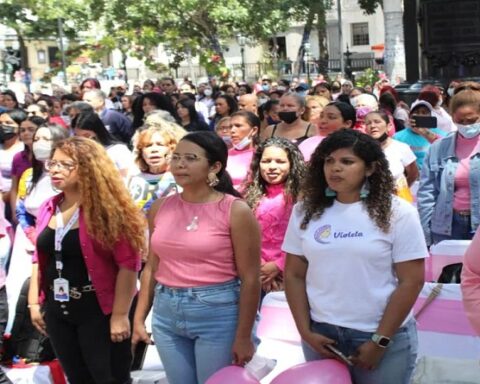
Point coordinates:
[(194, 329), (461, 229), (397, 364)]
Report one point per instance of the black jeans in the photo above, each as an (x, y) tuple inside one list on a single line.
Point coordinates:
[(80, 335), (3, 322)]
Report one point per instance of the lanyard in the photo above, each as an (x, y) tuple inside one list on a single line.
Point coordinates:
[(60, 232)]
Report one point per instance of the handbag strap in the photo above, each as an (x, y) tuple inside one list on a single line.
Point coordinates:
[(432, 296)]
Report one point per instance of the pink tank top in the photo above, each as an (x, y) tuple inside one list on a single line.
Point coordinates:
[(193, 242)]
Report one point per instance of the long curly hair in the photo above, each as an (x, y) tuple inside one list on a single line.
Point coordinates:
[(382, 187), (109, 211), (256, 187)]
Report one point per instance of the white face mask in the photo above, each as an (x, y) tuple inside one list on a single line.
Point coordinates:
[(450, 91), (469, 131), (440, 102), (244, 143), (42, 150), (207, 92)]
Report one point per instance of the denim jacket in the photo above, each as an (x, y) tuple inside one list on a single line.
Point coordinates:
[(437, 184)]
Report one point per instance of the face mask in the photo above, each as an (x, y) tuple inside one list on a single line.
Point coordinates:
[(288, 117), (439, 104), (244, 143), (42, 150), (469, 131), (262, 100), (266, 87), (207, 92), (271, 121), (7, 132), (353, 101), (450, 91), (281, 88), (227, 140), (382, 138)]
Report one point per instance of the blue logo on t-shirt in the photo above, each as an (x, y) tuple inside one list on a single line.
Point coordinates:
[(323, 233)]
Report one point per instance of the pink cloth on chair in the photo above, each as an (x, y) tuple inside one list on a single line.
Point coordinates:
[(471, 282)]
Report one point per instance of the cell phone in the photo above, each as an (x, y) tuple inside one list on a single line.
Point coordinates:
[(425, 121), (334, 350), (139, 355)]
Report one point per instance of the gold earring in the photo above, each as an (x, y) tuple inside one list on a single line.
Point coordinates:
[(212, 179)]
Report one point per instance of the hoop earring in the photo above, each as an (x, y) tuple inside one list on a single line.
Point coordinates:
[(365, 191), (329, 192), (212, 179)]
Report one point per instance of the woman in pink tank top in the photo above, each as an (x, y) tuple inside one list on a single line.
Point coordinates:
[(202, 273)]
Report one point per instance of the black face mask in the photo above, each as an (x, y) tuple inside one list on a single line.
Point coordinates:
[(272, 121), (382, 138), (7, 132), (288, 117)]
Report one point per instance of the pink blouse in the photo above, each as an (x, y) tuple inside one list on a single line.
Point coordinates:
[(273, 213), (471, 282)]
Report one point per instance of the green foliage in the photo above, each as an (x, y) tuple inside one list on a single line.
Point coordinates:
[(369, 77), (370, 6)]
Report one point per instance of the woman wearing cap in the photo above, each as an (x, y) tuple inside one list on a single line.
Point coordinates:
[(419, 139), (434, 96), (449, 191), (292, 127)]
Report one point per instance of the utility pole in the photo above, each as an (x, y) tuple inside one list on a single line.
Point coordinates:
[(340, 36)]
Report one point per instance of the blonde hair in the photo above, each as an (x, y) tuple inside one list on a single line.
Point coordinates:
[(109, 211), (220, 122), (144, 138), (467, 93), (322, 101)]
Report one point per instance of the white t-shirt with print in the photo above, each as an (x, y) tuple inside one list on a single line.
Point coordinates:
[(350, 275), (399, 156)]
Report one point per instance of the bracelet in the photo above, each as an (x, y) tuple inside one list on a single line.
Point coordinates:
[(33, 305)]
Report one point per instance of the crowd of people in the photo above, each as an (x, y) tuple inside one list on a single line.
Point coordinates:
[(211, 196)]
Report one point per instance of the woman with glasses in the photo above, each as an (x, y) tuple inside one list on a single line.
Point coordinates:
[(202, 315), (90, 126), (153, 149), (449, 192), (89, 247)]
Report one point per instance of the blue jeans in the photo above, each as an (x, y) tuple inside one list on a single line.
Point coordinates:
[(397, 364), (461, 229), (194, 329)]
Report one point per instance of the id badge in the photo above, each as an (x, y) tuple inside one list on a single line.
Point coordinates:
[(61, 290)]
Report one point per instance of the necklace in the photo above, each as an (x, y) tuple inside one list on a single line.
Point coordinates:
[(193, 226)]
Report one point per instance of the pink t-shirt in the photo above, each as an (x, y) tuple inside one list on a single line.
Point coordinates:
[(308, 146), (465, 149), (238, 165), (273, 212), (193, 242), (471, 282)]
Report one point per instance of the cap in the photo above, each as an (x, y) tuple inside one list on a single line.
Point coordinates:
[(302, 87), (420, 103)]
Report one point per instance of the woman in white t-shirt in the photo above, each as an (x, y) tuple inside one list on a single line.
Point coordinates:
[(355, 262), (401, 159)]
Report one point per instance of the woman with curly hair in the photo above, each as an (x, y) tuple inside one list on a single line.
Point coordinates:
[(89, 247), (355, 262), (273, 187), (152, 152)]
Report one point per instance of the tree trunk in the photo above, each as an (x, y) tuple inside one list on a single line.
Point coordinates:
[(322, 38), (307, 29), (23, 51), (394, 54)]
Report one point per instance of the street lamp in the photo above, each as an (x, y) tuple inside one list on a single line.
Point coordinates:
[(306, 47), (9, 58), (242, 42), (348, 62)]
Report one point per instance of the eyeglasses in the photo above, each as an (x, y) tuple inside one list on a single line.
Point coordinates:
[(50, 165), (189, 158)]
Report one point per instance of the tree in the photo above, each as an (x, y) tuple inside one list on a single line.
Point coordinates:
[(394, 53), (38, 19), (196, 27)]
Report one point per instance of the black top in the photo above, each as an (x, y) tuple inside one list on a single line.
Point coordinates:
[(199, 125), (74, 268), (297, 141)]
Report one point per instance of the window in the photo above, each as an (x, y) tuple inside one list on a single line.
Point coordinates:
[(41, 58), (360, 34)]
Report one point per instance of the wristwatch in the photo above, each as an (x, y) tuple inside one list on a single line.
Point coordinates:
[(381, 341)]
